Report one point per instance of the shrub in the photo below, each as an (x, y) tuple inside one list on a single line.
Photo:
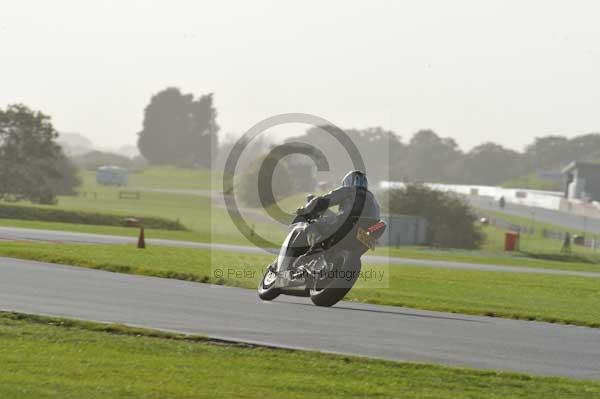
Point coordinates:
[(79, 217), (451, 221)]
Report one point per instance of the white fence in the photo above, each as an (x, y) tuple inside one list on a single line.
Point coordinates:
[(542, 199)]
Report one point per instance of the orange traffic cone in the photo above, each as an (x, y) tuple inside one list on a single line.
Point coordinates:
[(141, 240)]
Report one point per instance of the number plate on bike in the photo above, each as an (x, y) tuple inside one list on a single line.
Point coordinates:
[(363, 236)]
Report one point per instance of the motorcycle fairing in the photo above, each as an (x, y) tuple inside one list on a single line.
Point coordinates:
[(291, 248)]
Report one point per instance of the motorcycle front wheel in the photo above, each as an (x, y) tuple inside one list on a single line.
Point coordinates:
[(329, 292), (266, 288)]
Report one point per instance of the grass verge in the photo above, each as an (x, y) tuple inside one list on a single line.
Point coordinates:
[(575, 262), (205, 221), (561, 299), (48, 357), (492, 257), (164, 177)]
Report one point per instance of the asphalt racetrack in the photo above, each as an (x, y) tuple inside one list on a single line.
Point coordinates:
[(350, 328)]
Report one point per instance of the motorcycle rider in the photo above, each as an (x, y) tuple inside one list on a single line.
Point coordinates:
[(353, 199)]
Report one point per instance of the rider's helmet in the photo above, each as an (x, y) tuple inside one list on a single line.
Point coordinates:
[(355, 178)]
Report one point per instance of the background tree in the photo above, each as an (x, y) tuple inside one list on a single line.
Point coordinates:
[(451, 221), (429, 157), (69, 179), (179, 130), (247, 184), (32, 164), (588, 145), (549, 152), (488, 164), (376, 146)]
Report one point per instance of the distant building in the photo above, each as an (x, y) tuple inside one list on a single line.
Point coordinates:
[(582, 181), (403, 230), (112, 176)]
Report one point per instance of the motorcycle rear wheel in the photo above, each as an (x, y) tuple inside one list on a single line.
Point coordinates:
[(337, 288)]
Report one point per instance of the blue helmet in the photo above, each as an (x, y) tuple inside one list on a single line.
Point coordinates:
[(356, 178)]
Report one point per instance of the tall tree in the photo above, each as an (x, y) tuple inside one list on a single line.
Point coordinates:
[(489, 164), (428, 157), (179, 130), (376, 146), (32, 164), (549, 152)]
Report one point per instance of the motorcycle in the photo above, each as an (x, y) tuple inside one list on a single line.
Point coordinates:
[(326, 277)]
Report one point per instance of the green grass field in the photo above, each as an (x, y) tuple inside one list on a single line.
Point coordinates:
[(163, 177), (48, 358), (563, 299), (493, 255), (523, 221), (208, 222), (533, 182), (535, 244)]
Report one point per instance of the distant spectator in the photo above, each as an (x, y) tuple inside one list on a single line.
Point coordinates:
[(566, 247)]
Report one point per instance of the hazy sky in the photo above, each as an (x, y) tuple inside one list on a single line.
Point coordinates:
[(505, 71)]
